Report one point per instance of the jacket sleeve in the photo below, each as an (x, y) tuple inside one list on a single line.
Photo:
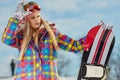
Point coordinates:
[(9, 36), (68, 44)]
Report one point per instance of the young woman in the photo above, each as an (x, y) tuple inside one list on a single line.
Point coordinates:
[(37, 42)]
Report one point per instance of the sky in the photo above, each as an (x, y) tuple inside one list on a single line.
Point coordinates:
[(72, 17)]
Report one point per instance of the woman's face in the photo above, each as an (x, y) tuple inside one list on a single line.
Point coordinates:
[(35, 20)]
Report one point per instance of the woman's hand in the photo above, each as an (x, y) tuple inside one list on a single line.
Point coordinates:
[(20, 13)]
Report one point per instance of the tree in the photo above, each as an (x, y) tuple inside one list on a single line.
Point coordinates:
[(63, 61), (114, 73), (68, 64)]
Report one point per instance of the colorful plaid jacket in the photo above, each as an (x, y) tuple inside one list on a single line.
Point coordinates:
[(39, 63)]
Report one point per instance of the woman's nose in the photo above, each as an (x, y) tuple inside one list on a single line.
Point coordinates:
[(37, 19)]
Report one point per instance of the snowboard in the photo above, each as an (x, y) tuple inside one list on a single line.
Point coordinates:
[(99, 44)]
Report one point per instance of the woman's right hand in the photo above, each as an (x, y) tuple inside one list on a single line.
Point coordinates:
[(20, 13)]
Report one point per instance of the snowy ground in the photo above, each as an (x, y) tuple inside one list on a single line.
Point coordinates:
[(61, 78)]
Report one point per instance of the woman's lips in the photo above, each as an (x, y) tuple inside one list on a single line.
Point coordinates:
[(37, 23)]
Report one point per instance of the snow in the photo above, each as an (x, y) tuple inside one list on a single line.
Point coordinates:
[(61, 78)]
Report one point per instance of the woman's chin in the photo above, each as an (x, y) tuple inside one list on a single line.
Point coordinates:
[(36, 27)]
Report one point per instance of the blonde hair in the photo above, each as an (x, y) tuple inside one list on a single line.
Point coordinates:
[(28, 33), (52, 36)]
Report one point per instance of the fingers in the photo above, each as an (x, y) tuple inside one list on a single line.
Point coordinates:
[(105, 26), (20, 13)]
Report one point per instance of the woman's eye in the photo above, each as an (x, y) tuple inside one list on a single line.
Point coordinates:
[(32, 17), (38, 16)]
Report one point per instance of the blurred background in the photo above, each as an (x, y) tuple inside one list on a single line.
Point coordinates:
[(73, 18)]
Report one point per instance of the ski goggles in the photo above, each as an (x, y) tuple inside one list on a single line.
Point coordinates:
[(31, 6)]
